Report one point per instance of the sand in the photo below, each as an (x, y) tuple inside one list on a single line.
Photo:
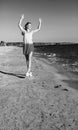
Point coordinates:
[(43, 103)]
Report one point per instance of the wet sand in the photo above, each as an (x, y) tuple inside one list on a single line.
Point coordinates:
[(43, 103), (72, 79)]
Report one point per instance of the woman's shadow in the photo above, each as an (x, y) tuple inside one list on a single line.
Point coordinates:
[(12, 74)]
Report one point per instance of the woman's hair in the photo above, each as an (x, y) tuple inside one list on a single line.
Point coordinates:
[(22, 33), (25, 27)]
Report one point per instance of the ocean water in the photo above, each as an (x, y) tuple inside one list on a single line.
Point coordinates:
[(66, 55)]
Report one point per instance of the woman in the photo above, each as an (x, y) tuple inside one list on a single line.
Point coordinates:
[(28, 47)]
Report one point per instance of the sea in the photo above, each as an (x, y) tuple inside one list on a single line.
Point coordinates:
[(65, 55)]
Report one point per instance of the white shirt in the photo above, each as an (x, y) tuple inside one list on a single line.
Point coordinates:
[(28, 37)]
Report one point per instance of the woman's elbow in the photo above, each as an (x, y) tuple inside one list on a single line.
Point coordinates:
[(19, 24), (39, 28)]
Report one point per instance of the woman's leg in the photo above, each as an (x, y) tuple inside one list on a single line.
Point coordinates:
[(27, 62), (30, 59)]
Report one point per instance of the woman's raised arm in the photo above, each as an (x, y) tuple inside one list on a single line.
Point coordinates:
[(20, 22), (39, 26)]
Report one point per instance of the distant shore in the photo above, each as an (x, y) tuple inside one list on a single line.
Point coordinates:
[(37, 43)]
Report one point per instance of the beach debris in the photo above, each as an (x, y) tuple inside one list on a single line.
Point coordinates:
[(65, 89), (57, 86)]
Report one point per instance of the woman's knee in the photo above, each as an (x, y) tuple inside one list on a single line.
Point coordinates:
[(27, 57)]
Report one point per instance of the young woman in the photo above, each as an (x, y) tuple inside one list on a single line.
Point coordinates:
[(28, 47)]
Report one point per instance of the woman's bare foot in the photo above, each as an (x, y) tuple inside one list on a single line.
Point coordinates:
[(27, 74), (30, 74)]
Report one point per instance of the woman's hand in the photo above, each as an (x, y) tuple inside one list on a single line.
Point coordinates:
[(40, 20), (22, 17)]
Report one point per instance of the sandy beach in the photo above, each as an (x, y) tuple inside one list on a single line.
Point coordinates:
[(45, 102)]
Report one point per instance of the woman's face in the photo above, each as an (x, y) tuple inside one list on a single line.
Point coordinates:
[(29, 26)]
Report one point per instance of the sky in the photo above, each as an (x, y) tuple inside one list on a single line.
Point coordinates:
[(59, 19)]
